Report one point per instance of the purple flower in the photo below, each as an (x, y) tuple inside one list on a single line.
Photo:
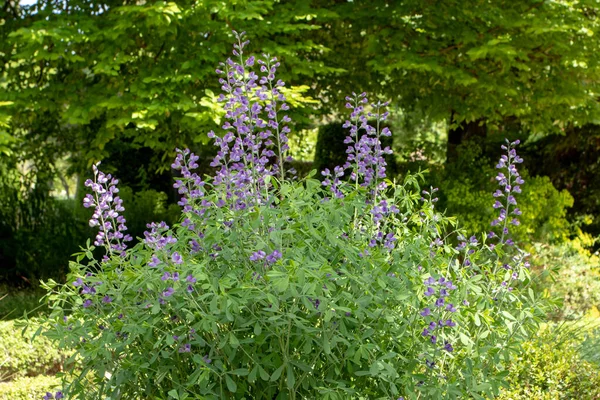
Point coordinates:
[(426, 312), (166, 276), (274, 256), (87, 303), (450, 307), (190, 279), (186, 348), (107, 299), (206, 359), (169, 292), (258, 255), (154, 261), (448, 347), (176, 258), (430, 291), (439, 302), (48, 396), (88, 290), (59, 395), (78, 282)]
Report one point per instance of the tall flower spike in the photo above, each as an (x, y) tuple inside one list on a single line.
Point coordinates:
[(255, 131), (509, 181), (107, 208)]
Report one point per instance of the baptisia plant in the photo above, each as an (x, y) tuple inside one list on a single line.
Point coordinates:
[(275, 288)]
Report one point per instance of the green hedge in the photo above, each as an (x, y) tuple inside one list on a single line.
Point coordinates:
[(23, 357), (551, 367), (27, 388)]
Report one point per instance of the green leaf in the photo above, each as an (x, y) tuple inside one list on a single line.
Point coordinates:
[(291, 379), (231, 385), (277, 373)]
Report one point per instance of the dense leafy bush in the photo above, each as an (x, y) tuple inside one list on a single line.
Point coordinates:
[(274, 288), (571, 274), (467, 192), (23, 356), (37, 232), (550, 367), (27, 388)]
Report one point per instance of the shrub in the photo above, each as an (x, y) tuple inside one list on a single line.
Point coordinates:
[(23, 356), (467, 191), (571, 274), (550, 367), (274, 288), (27, 388)]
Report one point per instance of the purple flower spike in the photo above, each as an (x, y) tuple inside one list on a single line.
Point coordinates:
[(107, 212)]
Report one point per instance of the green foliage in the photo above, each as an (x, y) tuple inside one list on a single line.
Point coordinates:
[(334, 318), (23, 356), (534, 61), (572, 162), (140, 73), (550, 367), (14, 302), (572, 275), (26, 388), (467, 193), (38, 232)]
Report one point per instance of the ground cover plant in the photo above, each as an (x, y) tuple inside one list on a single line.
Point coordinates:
[(275, 288)]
